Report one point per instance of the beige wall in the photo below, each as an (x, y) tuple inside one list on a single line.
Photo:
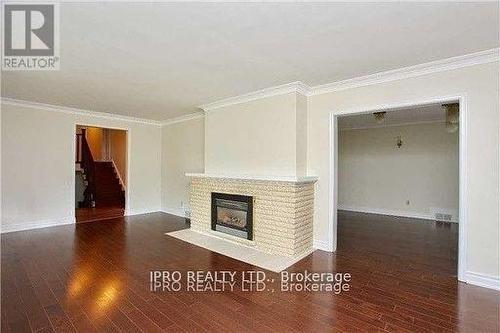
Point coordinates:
[(263, 131), (182, 151), (38, 165), (257, 137), (95, 139), (376, 176), (480, 84), (118, 151)]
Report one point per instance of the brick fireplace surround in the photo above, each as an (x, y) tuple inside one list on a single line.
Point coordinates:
[(282, 210)]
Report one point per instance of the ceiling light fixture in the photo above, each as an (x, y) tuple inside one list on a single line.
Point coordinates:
[(379, 116)]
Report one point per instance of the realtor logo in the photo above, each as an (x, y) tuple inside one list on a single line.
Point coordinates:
[(30, 37)]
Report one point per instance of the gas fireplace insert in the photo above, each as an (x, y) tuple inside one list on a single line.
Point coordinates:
[(232, 214)]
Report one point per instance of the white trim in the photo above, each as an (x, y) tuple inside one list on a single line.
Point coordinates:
[(174, 211), (292, 87), (398, 213), (423, 122), (477, 58), (472, 59), (483, 280), (119, 176), (180, 119), (463, 188), (128, 141), (333, 133), (463, 178), (129, 150), (75, 111), (131, 212), (321, 245), (290, 179), (37, 224)]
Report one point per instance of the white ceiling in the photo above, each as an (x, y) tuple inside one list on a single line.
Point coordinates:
[(161, 60), (403, 116)]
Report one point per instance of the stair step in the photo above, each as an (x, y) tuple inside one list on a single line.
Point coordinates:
[(107, 199), (117, 198), (114, 194), (105, 174), (108, 190), (112, 179), (108, 181), (116, 191)]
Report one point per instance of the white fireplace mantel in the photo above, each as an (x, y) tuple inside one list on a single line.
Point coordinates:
[(288, 179)]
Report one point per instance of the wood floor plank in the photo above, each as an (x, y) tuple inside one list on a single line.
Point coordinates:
[(94, 277), (60, 322)]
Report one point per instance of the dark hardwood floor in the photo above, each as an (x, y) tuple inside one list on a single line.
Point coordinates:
[(98, 213), (95, 277), (410, 245)]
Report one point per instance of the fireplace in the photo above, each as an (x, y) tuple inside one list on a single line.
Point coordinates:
[(232, 214)]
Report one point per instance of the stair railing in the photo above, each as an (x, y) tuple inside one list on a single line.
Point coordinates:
[(86, 160)]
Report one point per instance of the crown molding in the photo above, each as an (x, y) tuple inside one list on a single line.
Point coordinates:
[(477, 58), (75, 111), (180, 119), (292, 87)]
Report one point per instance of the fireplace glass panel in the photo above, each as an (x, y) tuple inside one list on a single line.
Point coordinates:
[(232, 214), (231, 217)]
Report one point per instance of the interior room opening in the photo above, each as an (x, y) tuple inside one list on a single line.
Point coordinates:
[(100, 173), (398, 188)]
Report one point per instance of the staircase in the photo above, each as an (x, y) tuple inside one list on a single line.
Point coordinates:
[(108, 190), (103, 188)]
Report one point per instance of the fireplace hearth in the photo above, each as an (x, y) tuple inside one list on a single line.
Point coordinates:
[(232, 214)]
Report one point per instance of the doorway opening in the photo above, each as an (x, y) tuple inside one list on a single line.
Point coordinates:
[(398, 181), (100, 173)]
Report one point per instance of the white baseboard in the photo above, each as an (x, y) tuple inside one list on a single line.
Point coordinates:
[(173, 211), (388, 212), (130, 212), (483, 280), (5, 228), (321, 245)]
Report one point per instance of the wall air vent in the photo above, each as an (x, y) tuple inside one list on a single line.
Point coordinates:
[(445, 215)]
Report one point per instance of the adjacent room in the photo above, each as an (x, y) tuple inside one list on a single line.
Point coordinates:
[(250, 166), (100, 173), (398, 195)]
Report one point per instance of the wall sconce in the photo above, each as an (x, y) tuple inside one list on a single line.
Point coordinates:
[(452, 117), (399, 142)]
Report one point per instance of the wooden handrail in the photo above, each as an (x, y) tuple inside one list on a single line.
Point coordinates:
[(86, 160)]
